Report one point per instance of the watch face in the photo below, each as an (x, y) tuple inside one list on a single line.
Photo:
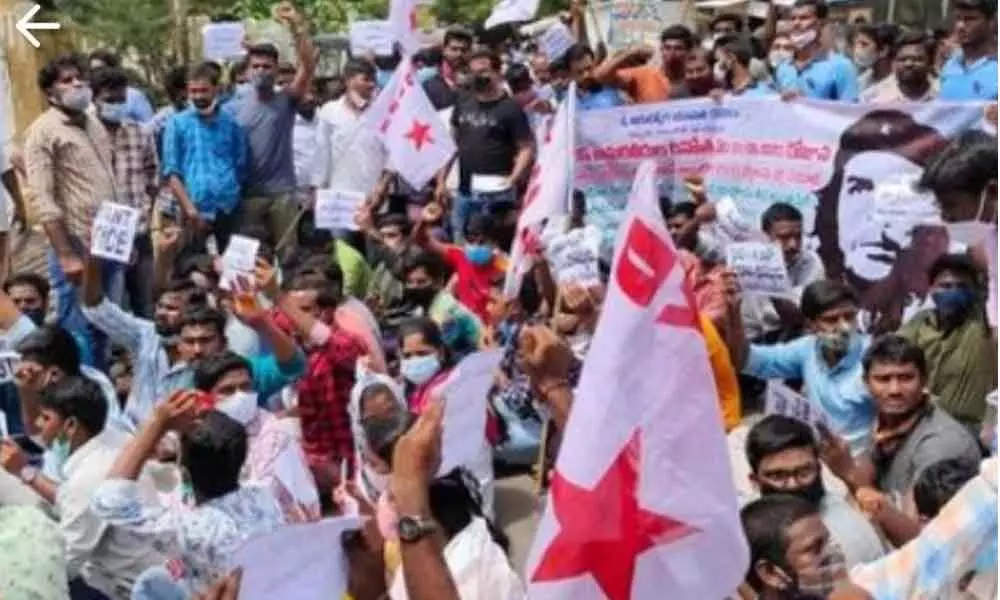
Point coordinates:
[(409, 529)]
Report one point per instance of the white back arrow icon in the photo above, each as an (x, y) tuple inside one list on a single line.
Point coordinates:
[(24, 25)]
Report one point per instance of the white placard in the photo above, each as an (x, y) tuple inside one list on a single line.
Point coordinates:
[(8, 362), (222, 41), (555, 41), (489, 184), (113, 233), (240, 258), (760, 268), (371, 36), (464, 395), (573, 256), (779, 399), (335, 209), (511, 11), (304, 561)]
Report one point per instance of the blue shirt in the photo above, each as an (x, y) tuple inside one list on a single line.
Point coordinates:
[(759, 89), (977, 81), (137, 106), (840, 391), (602, 98), (830, 77), (209, 155)]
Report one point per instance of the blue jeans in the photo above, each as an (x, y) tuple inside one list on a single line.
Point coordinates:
[(156, 583), (494, 204), (69, 315)]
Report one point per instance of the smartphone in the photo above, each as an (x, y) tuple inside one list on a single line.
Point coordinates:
[(28, 445)]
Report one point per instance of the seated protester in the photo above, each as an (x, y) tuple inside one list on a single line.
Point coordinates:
[(477, 264), (31, 546), (120, 374), (30, 294), (955, 338), (816, 71), (911, 432), (733, 56), (373, 397), (784, 459), (71, 422), (699, 77), (389, 246), (199, 541), (426, 296), (828, 359), (581, 61), (426, 366), (685, 230), (23, 305), (274, 457), (323, 392), (912, 79)]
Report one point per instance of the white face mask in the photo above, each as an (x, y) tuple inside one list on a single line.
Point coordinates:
[(802, 39), (779, 57), (241, 407), (77, 98), (974, 231)]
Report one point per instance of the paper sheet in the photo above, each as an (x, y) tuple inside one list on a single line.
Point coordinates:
[(222, 41), (464, 396), (113, 232), (336, 209)]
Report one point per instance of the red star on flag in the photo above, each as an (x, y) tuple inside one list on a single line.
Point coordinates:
[(419, 134), (602, 531)]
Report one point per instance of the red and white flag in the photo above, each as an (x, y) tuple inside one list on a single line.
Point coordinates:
[(548, 191), (403, 23), (417, 142), (642, 504)]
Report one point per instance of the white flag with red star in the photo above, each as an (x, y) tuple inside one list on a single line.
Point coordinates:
[(417, 142), (547, 194), (642, 504), (403, 23)]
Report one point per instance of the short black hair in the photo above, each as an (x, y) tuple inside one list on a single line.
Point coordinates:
[(204, 315), (431, 332), (680, 33), (765, 523), (824, 294), (967, 164), (739, 46), (578, 52), (894, 349), (106, 56), (779, 211), (774, 434), (883, 34), (938, 483), (175, 83), (51, 346), (736, 20), (959, 264), (26, 278), (358, 66), (457, 32), (204, 71), (518, 78), (208, 371), (819, 6), (987, 7), (483, 52), (913, 38), (213, 452), (49, 74), (479, 224), (426, 261), (265, 49), (329, 294), (685, 208), (79, 398), (108, 78), (428, 57)]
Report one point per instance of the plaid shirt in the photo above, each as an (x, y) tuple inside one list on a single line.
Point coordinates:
[(931, 565), (133, 159), (324, 393)]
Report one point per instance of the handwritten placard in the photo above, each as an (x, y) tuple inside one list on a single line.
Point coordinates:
[(760, 268), (573, 256), (114, 232), (335, 209), (371, 36), (222, 41), (555, 41), (779, 399), (239, 259)]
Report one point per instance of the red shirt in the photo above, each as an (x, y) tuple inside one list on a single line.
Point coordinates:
[(473, 282)]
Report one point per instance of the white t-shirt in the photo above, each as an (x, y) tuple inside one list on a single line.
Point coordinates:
[(356, 154)]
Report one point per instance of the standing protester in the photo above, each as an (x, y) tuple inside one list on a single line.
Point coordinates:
[(442, 89), (971, 72), (872, 53), (648, 83), (815, 72), (267, 114), (911, 79), (137, 106)]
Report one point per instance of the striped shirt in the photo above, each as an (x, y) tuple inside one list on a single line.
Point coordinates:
[(210, 156), (69, 170)]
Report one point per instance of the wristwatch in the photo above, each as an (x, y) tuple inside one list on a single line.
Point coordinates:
[(414, 529), (28, 474)]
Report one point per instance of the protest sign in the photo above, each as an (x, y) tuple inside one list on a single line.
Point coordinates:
[(222, 41), (335, 209), (464, 397), (511, 11), (779, 399), (114, 231), (573, 256), (240, 258), (304, 561), (624, 23), (555, 41), (759, 267), (371, 36), (817, 157)]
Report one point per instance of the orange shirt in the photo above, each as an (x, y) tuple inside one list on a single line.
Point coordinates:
[(646, 84)]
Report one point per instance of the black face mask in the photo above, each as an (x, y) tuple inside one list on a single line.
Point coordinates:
[(202, 103), (421, 297), (37, 315), (812, 493), (482, 82)]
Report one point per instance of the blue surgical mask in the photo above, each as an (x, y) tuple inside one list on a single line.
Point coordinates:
[(836, 342), (478, 254), (953, 302), (426, 73), (112, 112), (420, 369), (58, 454)]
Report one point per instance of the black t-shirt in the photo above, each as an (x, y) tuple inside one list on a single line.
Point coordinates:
[(488, 134), (440, 93)]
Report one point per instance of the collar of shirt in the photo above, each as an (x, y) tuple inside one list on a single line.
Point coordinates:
[(958, 60)]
